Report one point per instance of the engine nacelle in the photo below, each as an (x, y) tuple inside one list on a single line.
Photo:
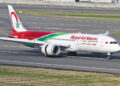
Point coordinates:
[(50, 50)]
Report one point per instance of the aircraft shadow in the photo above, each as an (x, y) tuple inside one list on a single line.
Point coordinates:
[(37, 52), (95, 55)]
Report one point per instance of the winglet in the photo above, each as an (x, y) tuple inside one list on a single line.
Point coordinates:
[(16, 23), (105, 34)]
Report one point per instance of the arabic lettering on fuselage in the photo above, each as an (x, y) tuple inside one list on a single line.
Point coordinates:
[(84, 38)]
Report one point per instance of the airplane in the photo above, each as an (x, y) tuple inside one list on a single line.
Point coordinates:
[(53, 43)]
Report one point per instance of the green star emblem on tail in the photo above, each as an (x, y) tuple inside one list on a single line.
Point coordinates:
[(17, 25)]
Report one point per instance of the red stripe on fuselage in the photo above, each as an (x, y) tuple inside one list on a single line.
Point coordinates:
[(30, 34)]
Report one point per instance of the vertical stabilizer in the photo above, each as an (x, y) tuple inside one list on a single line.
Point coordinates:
[(15, 21)]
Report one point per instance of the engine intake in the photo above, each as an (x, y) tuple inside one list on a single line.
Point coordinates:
[(50, 50)]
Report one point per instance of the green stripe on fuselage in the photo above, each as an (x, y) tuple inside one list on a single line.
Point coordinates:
[(50, 36)]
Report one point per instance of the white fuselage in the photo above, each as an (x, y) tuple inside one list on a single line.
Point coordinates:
[(88, 42)]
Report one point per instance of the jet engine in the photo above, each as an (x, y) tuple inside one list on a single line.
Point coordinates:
[(50, 50)]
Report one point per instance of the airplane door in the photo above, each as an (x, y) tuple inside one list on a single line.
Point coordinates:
[(101, 43)]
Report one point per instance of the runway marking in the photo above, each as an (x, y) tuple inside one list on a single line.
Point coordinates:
[(15, 52), (53, 28), (54, 65), (34, 27), (16, 46), (71, 29), (5, 27), (9, 52), (1, 21)]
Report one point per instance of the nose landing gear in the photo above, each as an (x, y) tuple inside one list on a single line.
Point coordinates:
[(108, 56)]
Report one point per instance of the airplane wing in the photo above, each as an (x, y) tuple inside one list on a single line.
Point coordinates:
[(18, 40), (23, 41)]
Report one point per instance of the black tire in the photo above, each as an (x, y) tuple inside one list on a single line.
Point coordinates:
[(72, 53)]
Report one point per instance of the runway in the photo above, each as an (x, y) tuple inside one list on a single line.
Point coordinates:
[(17, 54)]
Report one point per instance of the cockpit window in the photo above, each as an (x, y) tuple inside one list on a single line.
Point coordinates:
[(113, 42)]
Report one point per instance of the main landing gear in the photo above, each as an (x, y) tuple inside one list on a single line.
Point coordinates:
[(75, 53), (108, 56), (72, 53)]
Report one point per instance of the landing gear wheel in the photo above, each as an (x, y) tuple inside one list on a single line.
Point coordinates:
[(72, 53), (108, 57)]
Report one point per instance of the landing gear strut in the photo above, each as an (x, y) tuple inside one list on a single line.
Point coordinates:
[(108, 56)]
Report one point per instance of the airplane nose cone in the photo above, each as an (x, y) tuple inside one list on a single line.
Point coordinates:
[(118, 47)]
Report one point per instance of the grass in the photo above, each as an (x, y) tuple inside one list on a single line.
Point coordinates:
[(27, 76), (117, 35), (84, 15)]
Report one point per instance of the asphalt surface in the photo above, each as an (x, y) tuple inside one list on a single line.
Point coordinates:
[(17, 54)]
